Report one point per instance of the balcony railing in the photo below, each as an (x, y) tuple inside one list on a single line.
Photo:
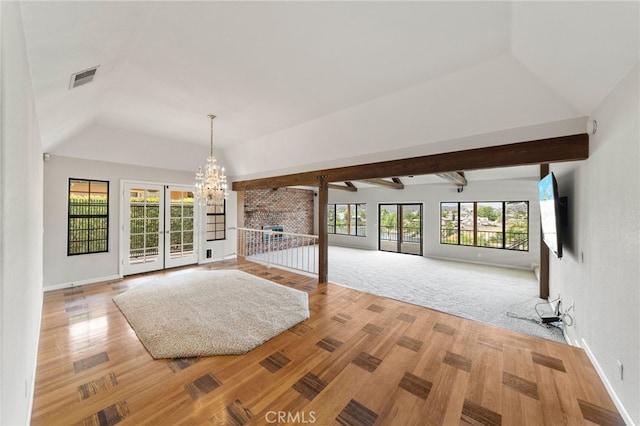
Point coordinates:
[(285, 249), (410, 234), (513, 240), (359, 231)]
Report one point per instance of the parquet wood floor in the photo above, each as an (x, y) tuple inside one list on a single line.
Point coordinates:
[(359, 359)]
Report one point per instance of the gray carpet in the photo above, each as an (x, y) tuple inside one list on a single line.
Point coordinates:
[(205, 313), (499, 296)]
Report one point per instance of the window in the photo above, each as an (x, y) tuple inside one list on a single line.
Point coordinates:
[(502, 224), (216, 222), (347, 219), (88, 219), (331, 218)]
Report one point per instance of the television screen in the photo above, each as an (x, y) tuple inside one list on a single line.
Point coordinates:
[(550, 213)]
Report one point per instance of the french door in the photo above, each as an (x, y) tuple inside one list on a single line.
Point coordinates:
[(159, 227), (180, 245), (400, 228)]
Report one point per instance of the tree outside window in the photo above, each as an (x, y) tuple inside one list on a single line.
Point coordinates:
[(501, 224), (88, 217), (347, 219)]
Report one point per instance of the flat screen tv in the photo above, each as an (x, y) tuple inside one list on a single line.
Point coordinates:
[(552, 214)]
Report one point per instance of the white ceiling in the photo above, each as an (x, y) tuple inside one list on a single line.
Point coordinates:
[(301, 84)]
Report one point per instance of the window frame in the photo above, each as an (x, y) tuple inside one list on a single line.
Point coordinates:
[(458, 231), (89, 229), (224, 223), (402, 244), (332, 213)]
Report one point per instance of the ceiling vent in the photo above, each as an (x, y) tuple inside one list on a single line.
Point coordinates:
[(83, 77)]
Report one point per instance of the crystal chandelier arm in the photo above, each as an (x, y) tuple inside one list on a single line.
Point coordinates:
[(211, 183)]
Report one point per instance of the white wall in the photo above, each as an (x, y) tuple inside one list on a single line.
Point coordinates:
[(604, 223), (106, 142), (61, 270), (431, 196), (225, 248), (497, 94), (20, 223)]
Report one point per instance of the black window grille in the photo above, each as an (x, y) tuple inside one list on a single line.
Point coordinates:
[(217, 222), (88, 217), (499, 224), (347, 219)]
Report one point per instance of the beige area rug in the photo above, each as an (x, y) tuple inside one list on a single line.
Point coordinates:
[(203, 313)]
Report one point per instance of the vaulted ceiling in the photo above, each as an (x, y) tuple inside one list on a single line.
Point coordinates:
[(302, 85)]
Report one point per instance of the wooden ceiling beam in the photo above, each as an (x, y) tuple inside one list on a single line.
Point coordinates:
[(456, 178), (348, 186), (394, 184), (551, 150)]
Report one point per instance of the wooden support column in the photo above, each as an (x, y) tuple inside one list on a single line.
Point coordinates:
[(544, 251), (323, 234)]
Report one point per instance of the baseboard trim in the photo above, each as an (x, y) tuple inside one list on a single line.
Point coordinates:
[(80, 283), (476, 262), (114, 277), (623, 412), (569, 340)]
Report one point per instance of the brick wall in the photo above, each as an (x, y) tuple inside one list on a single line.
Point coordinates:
[(291, 208)]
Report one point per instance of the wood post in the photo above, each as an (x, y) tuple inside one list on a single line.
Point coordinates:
[(323, 234)]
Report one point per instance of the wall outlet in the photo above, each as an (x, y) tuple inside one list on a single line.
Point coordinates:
[(620, 369)]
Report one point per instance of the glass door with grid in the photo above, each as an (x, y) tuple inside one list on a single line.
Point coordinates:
[(158, 228), (179, 228), (400, 228), (143, 228)]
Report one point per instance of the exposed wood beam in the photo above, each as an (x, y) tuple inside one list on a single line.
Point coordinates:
[(456, 178), (348, 186), (551, 150), (388, 184)]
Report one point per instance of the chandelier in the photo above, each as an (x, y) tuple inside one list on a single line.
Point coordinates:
[(211, 184)]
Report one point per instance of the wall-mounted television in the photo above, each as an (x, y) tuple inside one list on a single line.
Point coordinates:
[(553, 214)]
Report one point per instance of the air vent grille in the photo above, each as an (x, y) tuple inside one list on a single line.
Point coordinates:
[(83, 77)]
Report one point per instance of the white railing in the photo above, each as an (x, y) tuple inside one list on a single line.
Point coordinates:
[(285, 249)]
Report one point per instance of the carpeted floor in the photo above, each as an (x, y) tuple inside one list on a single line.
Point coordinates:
[(502, 297), (206, 313)]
